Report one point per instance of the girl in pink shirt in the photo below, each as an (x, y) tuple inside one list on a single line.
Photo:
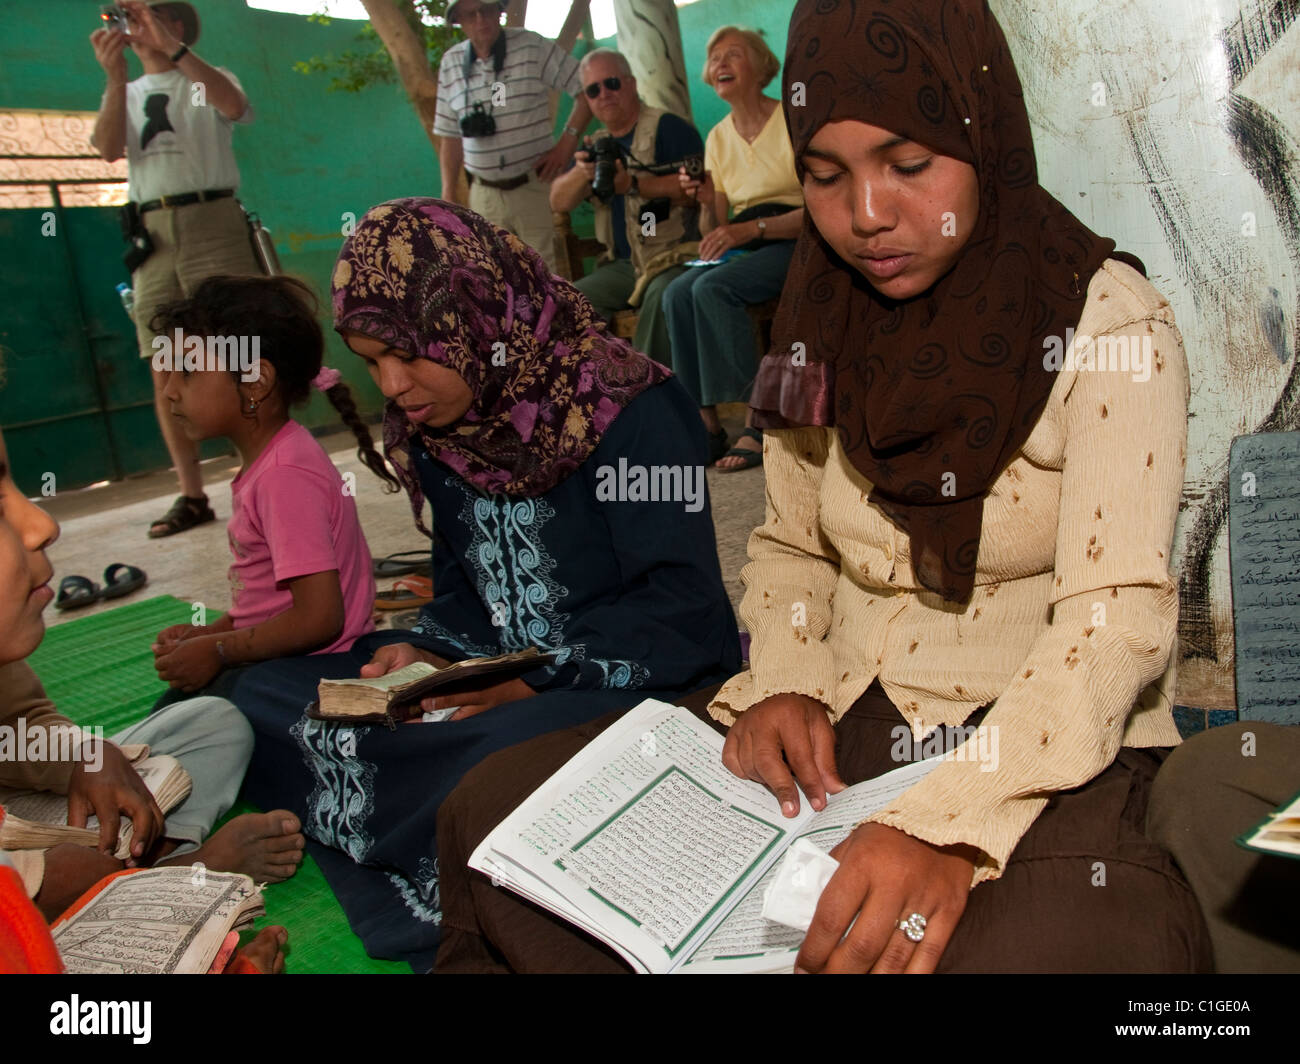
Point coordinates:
[(239, 353)]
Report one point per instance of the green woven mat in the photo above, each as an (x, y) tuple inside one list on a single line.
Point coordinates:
[(99, 671)]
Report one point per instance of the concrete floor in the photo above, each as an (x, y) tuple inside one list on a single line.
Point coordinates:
[(109, 524)]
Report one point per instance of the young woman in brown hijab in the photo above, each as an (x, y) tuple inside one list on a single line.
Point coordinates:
[(972, 486)]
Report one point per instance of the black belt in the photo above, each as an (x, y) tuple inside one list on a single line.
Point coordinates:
[(186, 198), (502, 186)]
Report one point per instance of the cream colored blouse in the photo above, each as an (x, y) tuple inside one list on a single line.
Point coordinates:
[(1073, 619)]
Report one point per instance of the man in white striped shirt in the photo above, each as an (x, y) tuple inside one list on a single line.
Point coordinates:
[(494, 118)]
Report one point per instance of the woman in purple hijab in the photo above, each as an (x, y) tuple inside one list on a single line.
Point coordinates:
[(565, 475)]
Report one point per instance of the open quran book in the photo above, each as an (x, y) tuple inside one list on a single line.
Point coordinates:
[(1277, 833), (35, 820), (158, 921), (647, 842)]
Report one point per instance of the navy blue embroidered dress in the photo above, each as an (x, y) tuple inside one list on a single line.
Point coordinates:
[(628, 594)]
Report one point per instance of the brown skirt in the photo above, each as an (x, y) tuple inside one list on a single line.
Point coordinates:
[(1048, 912)]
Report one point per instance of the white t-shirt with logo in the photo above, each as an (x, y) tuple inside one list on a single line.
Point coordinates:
[(174, 142)]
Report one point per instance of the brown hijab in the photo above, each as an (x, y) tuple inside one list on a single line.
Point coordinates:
[(951, 381)]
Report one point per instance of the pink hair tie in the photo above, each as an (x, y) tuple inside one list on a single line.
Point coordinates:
[(326, 379)]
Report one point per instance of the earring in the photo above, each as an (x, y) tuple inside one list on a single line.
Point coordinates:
[(252, 405)]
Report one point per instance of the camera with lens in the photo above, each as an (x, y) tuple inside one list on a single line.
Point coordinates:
[(478, 123), (605, 153), (693, 164), (113, 18)]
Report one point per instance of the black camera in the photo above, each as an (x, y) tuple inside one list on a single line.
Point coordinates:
[(605, 152), (693, 165), (478, 123), (113, 18)]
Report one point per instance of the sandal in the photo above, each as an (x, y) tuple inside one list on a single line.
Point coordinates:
[(405, 594), (76, 592), (420, 562), (750, 458), (121, 579), (717, 445), (186, 513)]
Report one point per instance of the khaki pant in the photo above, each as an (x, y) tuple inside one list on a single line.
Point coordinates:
[(524, 211), (608, 287), (191, 244)]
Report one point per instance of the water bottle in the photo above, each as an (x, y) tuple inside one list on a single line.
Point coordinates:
[(127, 296)]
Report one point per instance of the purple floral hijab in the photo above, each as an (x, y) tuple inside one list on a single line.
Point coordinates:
[(437, 280)]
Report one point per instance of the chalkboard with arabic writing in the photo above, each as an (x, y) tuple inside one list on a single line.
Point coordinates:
[(1264, 549)]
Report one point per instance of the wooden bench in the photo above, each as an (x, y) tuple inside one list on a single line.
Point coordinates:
[(571, 250)]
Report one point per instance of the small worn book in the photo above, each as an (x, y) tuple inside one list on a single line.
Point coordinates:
[(1277, 833), (35, 820), (646, 841), (396, 695), (156, 921)]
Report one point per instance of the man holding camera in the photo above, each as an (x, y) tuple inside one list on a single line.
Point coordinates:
[(648, 225), (494, 118), (174, 126)]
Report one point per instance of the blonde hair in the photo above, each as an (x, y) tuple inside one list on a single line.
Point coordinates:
[(766, 63)]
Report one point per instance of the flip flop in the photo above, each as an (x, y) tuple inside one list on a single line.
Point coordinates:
[(404, 594), (185, 513), (76, 592), (750, 458), (121, 579), (420, 562)]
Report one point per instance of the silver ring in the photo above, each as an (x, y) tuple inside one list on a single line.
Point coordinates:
[(913, 927)]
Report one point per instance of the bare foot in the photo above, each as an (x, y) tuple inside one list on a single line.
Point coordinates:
[(266, 951), (70, 871), (266, 846)]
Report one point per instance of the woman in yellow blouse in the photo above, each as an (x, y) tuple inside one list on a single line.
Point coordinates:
[(748, 169), (975, 417)]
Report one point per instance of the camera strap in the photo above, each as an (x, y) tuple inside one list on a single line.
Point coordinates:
[(498, 57)]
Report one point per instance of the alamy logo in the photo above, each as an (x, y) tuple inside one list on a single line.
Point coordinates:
[(1115, 354), (960, 742), (102, 1017), (194, 354), (58, 743), (638, 483)]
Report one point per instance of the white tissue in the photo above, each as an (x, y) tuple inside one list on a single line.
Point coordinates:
[(431, 715), (791, 899)]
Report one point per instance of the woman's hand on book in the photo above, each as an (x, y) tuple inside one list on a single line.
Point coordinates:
[(884, 876), (111, 791), (780, 730), (472, 703), (396, 656)]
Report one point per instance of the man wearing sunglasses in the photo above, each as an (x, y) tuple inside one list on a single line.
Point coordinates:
[(649, 227), (494, 118)]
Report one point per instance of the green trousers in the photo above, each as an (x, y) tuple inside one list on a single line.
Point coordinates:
[(608, 287)]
